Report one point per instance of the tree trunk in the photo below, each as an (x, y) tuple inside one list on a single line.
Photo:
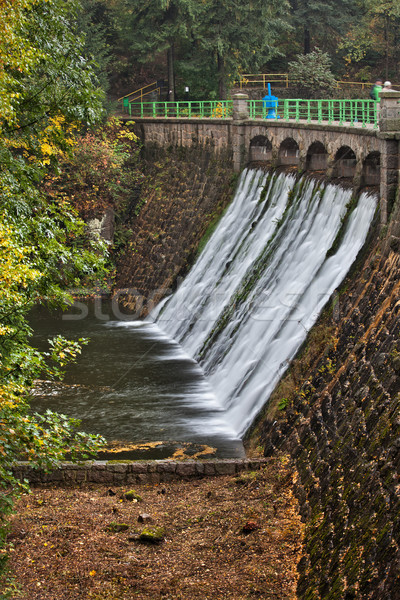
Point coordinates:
[(307, 40), (221, 78), (387, 47), (171, 74)]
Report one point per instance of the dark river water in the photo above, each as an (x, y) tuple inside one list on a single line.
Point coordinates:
[(135, 386)]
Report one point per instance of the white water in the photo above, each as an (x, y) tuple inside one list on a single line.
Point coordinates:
[(247, 304)]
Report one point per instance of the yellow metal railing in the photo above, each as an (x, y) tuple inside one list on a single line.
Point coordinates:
[(138, 95), (264, 78), (249, 79)]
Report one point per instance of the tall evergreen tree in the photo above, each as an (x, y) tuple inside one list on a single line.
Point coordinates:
[(240, 36), (320, 21), (93, 22), (372, 44), (155, 26)]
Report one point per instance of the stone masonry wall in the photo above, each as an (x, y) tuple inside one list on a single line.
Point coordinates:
[(122, 473), (185, 190), (343, 433), (215, 133)]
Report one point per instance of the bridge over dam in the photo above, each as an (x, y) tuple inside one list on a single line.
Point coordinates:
[(357, 143)]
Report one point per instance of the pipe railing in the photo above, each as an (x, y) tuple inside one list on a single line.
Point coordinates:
[(202, 109), (261, 80), (356, 113), (360, 113), (139, 94)]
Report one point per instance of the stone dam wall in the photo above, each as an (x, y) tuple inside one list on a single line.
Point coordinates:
[(342, 429)]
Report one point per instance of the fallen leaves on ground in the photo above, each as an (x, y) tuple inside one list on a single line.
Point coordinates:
[(225, 538)]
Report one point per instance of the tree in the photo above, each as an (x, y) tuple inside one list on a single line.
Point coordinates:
[(12, 47), (373, 42), (100, 172), (386, 21), (47, 91), (58, 79), (221, 38), (156, 26), (321, 22), (239, 36)]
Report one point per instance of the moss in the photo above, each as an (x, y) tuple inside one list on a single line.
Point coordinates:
[(153, 535), (133, 495), (247, 478), (215, 220), (115, 527)]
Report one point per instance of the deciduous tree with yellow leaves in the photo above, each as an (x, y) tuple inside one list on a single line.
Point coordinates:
[(47, 93)]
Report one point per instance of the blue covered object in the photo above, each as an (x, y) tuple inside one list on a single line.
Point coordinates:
[(271, 104)]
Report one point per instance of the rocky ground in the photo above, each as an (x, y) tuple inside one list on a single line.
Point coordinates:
[(221, 538)]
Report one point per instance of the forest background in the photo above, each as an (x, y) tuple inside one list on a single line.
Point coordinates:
[(63, 64)]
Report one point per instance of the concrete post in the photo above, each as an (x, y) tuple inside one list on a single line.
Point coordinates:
[(389, 132)]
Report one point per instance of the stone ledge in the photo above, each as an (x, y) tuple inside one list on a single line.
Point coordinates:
[(132, 472)]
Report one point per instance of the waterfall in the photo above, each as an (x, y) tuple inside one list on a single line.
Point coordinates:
[(282, 248)]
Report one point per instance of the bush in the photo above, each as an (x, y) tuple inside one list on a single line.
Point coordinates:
[(313, 76)]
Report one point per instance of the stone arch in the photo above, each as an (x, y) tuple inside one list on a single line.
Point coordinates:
[(345, 163), (371, 169), (289, 153), (260, 149), (317, 157)]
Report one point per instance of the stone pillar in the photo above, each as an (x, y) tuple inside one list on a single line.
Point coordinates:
[(240, 107), (240, 115), (389, 114), (389, 132)]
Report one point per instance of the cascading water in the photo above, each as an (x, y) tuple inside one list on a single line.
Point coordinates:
[(246, 306)]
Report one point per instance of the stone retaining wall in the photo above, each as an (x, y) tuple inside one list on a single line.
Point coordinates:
[(122, 473)]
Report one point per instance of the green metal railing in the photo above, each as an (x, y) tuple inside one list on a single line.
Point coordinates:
[(357, 113), (335, 112), (221, 109)]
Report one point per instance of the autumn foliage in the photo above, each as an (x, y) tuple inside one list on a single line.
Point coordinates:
[(47, 95), (99, 171)]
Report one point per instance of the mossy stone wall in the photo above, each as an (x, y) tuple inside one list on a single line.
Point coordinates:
[(185, 190), (342, 430)]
